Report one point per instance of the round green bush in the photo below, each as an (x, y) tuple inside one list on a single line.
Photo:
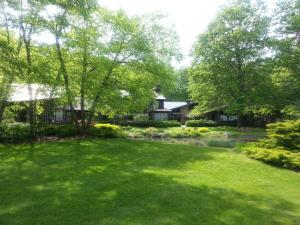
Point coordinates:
[(106, 130)]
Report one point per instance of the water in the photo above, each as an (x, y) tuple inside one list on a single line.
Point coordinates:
[(215, 141)]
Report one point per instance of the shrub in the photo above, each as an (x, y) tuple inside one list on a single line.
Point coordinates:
[(141, 117), (280, 147), (58, 130), (200, 123), (187, 132), (14, 132), (106, 130), (203, 130), (151, 131), (152, 123), (284, 135), (277, 157)]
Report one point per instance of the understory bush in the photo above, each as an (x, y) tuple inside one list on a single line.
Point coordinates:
[(106, 130), (277, 157), (284, 135), (151, 131), (187, 132), (57, 130), (281, 147), (14, 132), (152, 123), (200, 123)]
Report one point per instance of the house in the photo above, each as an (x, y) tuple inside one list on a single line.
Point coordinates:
[(218, 114), (47, 97), (55, 111), (162, 109)]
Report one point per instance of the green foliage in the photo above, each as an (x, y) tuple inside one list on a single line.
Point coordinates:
[(187, 132), (229, 58), (151, 131), (280, 147), (57, 130), (141, 117), (283, 135), (200, 123), (152, 123), (106, 130), (180, 89), (277, 157), (203, 129), (14, 132)]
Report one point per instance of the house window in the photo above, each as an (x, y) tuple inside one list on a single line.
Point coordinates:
[(160, 116), (59, 116), (160, 104)]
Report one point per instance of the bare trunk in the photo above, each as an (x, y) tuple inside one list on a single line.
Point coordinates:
[(82, 95), (239, 120), (2, 108), (31, 111), (29, 86)]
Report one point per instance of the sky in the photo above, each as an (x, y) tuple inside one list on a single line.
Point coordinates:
[(190, 17)]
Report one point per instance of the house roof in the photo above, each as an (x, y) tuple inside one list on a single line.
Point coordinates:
[(174, 105), (20, 92), (159, 96), (162, 110)]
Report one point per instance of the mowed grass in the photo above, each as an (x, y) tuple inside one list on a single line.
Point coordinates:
[(127, 182)]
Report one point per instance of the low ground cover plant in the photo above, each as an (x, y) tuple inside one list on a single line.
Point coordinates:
[(152, 123), (188, 132), (200, 123), (161, 132)]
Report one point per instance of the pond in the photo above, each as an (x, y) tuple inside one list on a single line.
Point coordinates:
[(224, 141)]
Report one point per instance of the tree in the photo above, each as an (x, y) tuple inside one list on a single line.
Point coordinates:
[(229, 59), (287, 51), (179, 90), (11, 60), (102, 53)]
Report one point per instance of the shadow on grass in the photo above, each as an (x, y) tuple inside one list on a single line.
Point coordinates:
[(106, 182)]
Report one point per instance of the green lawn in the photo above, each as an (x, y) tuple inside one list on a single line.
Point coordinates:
[(126, 182)]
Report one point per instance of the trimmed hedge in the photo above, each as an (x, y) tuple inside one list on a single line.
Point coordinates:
[(200, 123), (106, 130), (277, 157), (14, 132), (152, 123)]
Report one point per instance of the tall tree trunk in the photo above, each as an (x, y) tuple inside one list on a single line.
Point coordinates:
[(66, 78), (26, 36), (29, 87), (82, 93), (2, 108), (239, 120), (97, 97)]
